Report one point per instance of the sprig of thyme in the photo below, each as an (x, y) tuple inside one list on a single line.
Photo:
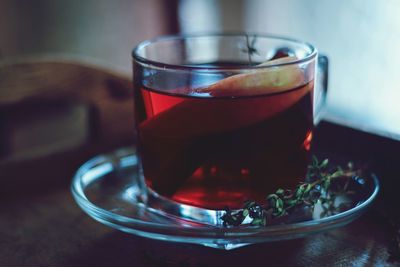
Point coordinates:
[(250, 48), (317, 188)]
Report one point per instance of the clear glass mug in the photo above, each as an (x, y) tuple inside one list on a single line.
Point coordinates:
[(222, 119)]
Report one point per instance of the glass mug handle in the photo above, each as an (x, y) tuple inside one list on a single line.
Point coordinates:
[(321, 88)]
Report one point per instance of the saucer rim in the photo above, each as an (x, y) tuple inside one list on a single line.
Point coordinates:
[(205, 231)]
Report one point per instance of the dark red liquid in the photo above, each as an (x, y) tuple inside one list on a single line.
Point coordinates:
[(216, 152)]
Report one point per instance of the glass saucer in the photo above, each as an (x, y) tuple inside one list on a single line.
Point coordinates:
[(106, 188)]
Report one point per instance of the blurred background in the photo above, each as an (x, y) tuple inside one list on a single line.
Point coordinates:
[(66, 96), (359, 37)]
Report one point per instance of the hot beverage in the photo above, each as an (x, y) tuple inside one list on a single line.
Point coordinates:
[(220, 145)]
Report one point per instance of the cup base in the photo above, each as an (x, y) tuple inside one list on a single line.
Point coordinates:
[(165, 206)]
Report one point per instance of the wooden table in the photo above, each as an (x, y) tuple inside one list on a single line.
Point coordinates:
[(40, 224)]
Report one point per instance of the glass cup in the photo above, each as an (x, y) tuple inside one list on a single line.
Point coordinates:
[(222, 119)]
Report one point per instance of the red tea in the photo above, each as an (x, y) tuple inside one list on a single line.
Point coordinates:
[(217, 151)]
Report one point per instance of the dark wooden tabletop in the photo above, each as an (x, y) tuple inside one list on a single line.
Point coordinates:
[(41, 225)]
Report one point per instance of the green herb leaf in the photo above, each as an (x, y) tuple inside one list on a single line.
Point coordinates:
[(283, 201)]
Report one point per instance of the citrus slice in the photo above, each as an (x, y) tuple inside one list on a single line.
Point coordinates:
[(273, 79), (272, 91)]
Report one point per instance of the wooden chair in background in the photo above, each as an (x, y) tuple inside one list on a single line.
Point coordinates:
[(55, 114)]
